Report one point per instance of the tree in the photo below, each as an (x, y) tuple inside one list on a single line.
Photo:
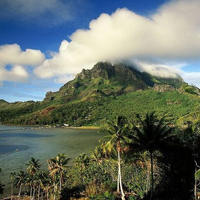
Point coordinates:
[(116, 138), (33, 166), (20, 180), (33, 169), (58, 165), (150, 134)]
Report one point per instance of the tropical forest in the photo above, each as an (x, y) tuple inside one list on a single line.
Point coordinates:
[(149, 150)]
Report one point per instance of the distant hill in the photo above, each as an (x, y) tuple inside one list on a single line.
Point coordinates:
[(105, 91)]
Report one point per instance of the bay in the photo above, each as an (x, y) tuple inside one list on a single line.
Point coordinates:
[(19, 144)]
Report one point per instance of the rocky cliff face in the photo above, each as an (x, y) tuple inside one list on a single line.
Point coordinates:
[(108, 80), (107, 71), (163, 88)]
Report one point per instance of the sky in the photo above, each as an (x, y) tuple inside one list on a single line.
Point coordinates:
[(45, 43)]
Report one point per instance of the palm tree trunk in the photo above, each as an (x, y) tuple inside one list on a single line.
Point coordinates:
[(195, 182), (31, 192), (39, 192), (60, 181), (118, 181), (152, 180), (34, 193), (47, 194), (12, 191), (119, 174), (20, 188), (54, 185)]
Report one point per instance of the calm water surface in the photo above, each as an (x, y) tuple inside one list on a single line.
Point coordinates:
[(19, 144)]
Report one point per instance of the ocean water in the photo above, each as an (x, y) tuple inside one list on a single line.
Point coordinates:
[(19, 144)]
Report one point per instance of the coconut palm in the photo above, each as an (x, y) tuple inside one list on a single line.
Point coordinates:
[(45, 182), (20, 180), (33, 166), (150, 134), (32, 169), (30, 183), (117, 131), (58, 165)]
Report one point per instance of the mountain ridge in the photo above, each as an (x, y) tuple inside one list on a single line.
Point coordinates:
[(123, 78), (105, 91)]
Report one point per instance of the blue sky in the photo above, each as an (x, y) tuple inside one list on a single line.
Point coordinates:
[(45, 43)]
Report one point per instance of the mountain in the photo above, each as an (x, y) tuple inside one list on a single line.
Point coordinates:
[(106, 80), (105, 91)]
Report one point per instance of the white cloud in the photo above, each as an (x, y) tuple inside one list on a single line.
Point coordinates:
[(171, 33), (12, 54), (16, 74), (161, 70), (17, 60), (40, 12)]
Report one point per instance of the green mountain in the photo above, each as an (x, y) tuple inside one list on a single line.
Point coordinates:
[(105, 91)]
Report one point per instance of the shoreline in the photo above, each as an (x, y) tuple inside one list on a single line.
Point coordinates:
[(51, 126)]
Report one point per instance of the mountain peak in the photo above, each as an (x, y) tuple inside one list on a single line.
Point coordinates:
[(108, 80), (107, 71)]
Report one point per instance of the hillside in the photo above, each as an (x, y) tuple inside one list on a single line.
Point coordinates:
[(105, 91)]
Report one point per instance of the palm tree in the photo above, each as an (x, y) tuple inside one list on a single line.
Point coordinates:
[(33, 166), (30, 183), (150, 134), (117, 131), (32, 169), (12, 177), (20, 180), (45, 182), (58, 165)]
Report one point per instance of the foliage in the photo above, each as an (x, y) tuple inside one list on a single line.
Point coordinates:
[(96, 175), (106, 90)]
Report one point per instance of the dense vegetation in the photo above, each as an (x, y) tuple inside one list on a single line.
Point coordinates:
[(181, 107), (107, 90), (141, 158), (147, 157)]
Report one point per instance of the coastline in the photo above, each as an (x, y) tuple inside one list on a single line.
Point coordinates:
[(51, 126)]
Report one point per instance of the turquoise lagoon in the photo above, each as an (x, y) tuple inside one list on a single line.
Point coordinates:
[(19, 144)]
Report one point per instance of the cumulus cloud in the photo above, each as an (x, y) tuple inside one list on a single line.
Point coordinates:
[(172, 33), (17, 60), (12, 54), (42, 12), (16, 74)]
